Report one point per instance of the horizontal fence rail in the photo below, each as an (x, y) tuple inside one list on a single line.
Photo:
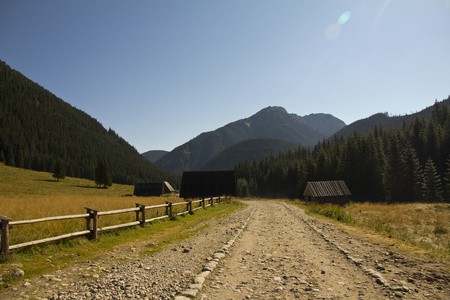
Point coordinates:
[(92, 221)]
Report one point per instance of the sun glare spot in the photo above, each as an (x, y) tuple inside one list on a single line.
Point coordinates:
[(344, 18), (333, 31)]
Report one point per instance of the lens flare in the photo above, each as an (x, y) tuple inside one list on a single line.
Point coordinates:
[(344, 18), (333, 31)]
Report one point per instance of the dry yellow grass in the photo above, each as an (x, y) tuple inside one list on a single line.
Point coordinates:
[(15, 182), (40, 206), (420, 228), (26, 195), (422, 224)]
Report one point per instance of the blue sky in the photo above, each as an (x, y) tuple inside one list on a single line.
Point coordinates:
[(159, 73)]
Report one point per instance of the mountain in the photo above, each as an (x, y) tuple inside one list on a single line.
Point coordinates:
[(366, 125), (253, 149), (37, 129), (154, 155), (409, 163), (271, 122), (325, 123)]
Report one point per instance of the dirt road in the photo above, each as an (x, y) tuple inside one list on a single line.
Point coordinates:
[(285, 254), (268, 250)]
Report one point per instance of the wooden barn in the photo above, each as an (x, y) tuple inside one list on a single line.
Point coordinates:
[(335, 192), (204, 184), (153, 189)]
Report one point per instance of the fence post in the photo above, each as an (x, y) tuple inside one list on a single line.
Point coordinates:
[(5, 235), (212, 201), (219, 200), (142, 211), (94, 217), (191, 212), (169, 209), (203, 203)]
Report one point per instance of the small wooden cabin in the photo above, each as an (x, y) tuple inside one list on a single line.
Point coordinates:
[(335, 192), (203, 184), (153, 188)]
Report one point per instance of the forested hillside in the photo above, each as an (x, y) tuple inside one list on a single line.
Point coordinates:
[(253, 149), (154, 155), (37, 129), (388, 122), (405, 165)]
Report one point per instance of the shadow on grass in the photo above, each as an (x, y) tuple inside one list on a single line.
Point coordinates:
[(46, 180), (88, 187)]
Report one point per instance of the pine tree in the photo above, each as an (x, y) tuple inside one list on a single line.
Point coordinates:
[(393, 171), (447, 182), (58, 172), (431, 186), (102, 174), (242, 187), (412, 176), (9, 157)]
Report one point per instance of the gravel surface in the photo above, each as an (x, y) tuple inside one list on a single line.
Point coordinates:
[(268, 250)]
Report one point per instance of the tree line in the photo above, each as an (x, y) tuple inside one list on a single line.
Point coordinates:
[(409, 164), (38, 130)]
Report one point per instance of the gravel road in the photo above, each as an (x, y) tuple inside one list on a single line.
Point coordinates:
[(268, 250)]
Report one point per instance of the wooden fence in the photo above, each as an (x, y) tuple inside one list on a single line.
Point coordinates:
[(92, 220)]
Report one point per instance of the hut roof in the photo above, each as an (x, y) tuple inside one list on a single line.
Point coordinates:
[(152, 188), (168, 187), (326, 189)]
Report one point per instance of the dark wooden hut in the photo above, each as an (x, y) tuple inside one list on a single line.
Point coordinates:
[(335, 192), (203, 184), (153, 188)]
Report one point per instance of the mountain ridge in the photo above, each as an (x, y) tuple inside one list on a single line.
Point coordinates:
[(368, 124), (270, 122), (154, 155)]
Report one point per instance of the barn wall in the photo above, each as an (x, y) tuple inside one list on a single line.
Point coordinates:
[(149, 189), (203, 184), (339, 200)]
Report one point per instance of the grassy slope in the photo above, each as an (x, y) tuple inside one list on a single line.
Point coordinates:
[(28, 194), (15, 182)]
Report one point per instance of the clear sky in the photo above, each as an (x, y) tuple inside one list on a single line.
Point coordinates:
[(159, 73)]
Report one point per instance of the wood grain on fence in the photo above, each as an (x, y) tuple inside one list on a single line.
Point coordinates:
[(92, 217)]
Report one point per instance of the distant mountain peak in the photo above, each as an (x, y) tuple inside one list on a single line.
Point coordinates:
[(273, 109), (272, 122)]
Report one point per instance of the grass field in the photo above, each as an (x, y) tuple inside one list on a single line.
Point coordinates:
[(16, 183), (421, 227), (26, 195)]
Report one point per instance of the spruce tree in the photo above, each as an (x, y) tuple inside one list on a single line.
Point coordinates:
[(393, 171), (58, 172), (431, 186), (242, 187), (412, 176), (103, 175), (447, 182)]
